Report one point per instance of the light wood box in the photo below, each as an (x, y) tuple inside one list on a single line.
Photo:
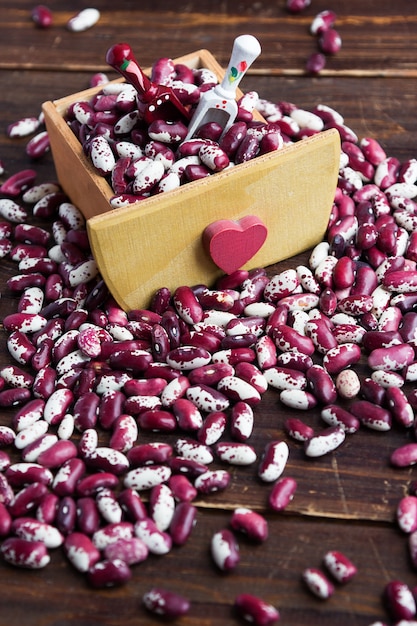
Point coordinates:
[(157, 242)]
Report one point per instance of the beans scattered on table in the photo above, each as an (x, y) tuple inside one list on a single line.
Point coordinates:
[(86, 374)]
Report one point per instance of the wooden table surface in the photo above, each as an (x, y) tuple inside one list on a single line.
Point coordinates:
[(344, 501)]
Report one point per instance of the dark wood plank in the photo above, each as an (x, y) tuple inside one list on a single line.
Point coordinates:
[(271, 570), (373, 37)]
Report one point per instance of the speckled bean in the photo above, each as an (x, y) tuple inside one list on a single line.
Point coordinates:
[(141, 478), (235, 453), (109, 573), (339, 566), (212, 481), (404, 456), (406, 514), (27, 498), (149, 453), (250, 523), (282, 493), (285, 378), (208, 399), (255, 610), (183, 522), (325, 442), (157, 541), (297, 399), (391, 359), (81, 551), (341, 357), (20, 474), (400, 600), (182, 488), (335, 415), (321, 384), (225, 550), (107, 459), (165, 603), (371, 415), (273, 461), (34, 530), (133, 507), (24, 553)]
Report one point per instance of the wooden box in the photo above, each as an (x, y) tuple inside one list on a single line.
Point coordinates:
[(157, 242)]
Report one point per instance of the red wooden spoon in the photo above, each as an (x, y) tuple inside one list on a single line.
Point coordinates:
[(158, 101)]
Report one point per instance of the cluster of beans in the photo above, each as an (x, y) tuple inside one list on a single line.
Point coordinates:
[(329, 41), (86, 376), (140, 159), (38, 145), (338, 566)]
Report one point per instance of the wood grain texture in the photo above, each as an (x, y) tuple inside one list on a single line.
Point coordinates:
[(344, 501)]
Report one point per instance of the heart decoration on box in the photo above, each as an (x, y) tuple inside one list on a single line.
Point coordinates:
[(231, 244)]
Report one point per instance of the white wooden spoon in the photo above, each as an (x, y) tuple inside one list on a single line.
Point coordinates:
[(219, 104)]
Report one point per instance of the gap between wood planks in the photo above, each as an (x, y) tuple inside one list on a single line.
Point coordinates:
[(265, 72)]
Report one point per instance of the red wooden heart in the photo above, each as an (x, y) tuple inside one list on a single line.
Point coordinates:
[(231, 244)]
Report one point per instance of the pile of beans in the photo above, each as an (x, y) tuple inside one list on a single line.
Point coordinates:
[(140, 159), (329, 41), (328, 38), (86, 377)]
